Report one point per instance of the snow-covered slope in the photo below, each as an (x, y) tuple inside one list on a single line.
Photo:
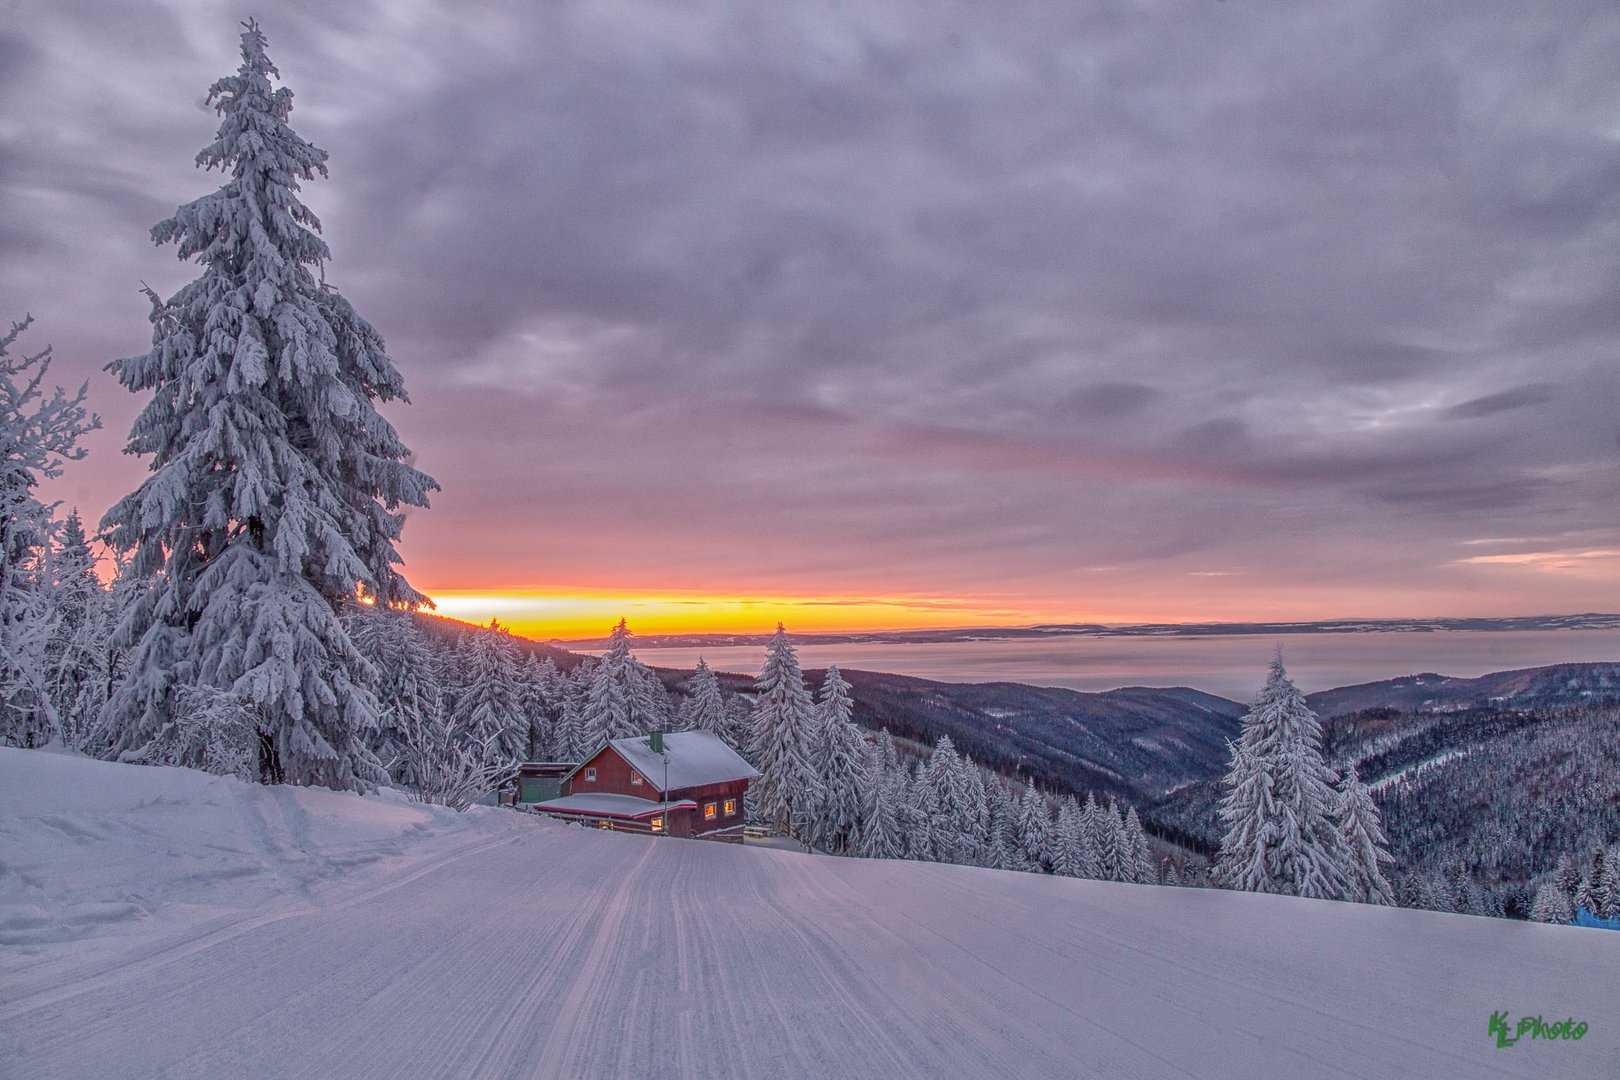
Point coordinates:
[(162, 922)]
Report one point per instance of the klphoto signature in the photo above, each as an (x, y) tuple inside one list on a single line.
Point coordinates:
[(1533, 1027)]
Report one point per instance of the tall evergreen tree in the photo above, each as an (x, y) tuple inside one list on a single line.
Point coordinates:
[(784, 737), (1034, 830), (79, 660), (537, 681), (1002, 850), (571, 741), (624, 697), (881, 834), (1112, 853), (1138, 862), (1067, 841), (276, 486), (410, 675), (1552, 903), (1279, 808), (840, 766), (1089, 857), (1363, 831), (39, 433), (491, 699), (706, 709), (925, 834)]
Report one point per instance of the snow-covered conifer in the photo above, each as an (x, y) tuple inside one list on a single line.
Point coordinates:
[(840, 767), (977, 845), (920, 817), (1552, 904), (80, 662), (1034, 830), (537, 681), (1362, 828), (1065, 852), (1137, 865), (784, 740), (881, 835), (39, 433), (705, 709), (624, 697), (955, 811), (570, 742), (276, 486), (409, 676), (491, 699), (1280, 833), (1002, 850), (1089, 853)]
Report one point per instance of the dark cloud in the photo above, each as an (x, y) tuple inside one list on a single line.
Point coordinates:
[(911, 292)]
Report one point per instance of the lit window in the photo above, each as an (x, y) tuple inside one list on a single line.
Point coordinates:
[(635, 779), (731, 807), (708, 811), (590, 776), (657, 824)]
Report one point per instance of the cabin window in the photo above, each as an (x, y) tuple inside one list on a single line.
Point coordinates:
[(657, 824), (731, 807), (708, 811), (635, 779), (590, 776)]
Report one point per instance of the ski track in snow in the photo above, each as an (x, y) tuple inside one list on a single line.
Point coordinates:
[(423, 944)]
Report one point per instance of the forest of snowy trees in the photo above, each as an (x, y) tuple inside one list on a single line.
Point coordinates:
[(254, 622)]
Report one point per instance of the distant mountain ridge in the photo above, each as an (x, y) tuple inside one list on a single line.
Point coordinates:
[(1587, 621), (1556, 684)]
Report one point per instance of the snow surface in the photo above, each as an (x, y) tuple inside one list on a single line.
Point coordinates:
[(160, 922)]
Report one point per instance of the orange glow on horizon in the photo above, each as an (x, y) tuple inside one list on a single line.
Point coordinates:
[(565, 614), (546, 615)]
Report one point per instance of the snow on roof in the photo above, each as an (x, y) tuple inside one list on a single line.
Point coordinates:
[(605, 804), (695, 758)]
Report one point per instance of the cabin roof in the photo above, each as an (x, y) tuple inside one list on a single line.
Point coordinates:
[(607, 804), (696, 759)]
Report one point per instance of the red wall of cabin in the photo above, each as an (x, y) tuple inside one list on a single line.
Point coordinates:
[(613, 775)]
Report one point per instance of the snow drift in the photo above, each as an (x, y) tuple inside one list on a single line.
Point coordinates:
[(161, 921)]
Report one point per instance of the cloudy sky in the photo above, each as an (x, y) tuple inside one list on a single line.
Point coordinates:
[(891, 313)]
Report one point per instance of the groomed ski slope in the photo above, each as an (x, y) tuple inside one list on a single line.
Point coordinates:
[(160, 922)]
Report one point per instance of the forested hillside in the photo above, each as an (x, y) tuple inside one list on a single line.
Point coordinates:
[(1479, 804)]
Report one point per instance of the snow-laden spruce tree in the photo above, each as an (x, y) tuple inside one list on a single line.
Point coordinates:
[(570, 742), (1552, 904), (491, 698), (276, 486), (1065, 851), (410, 675), (784, 740), (539, 683), (881, 834), (1002, 850), (1137, 863), (840, 766), (705, 709), (79, 659), (1363, 830), (1089, 860), (39, 433), (1279, 809), (624, 697), (1034, 830)]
